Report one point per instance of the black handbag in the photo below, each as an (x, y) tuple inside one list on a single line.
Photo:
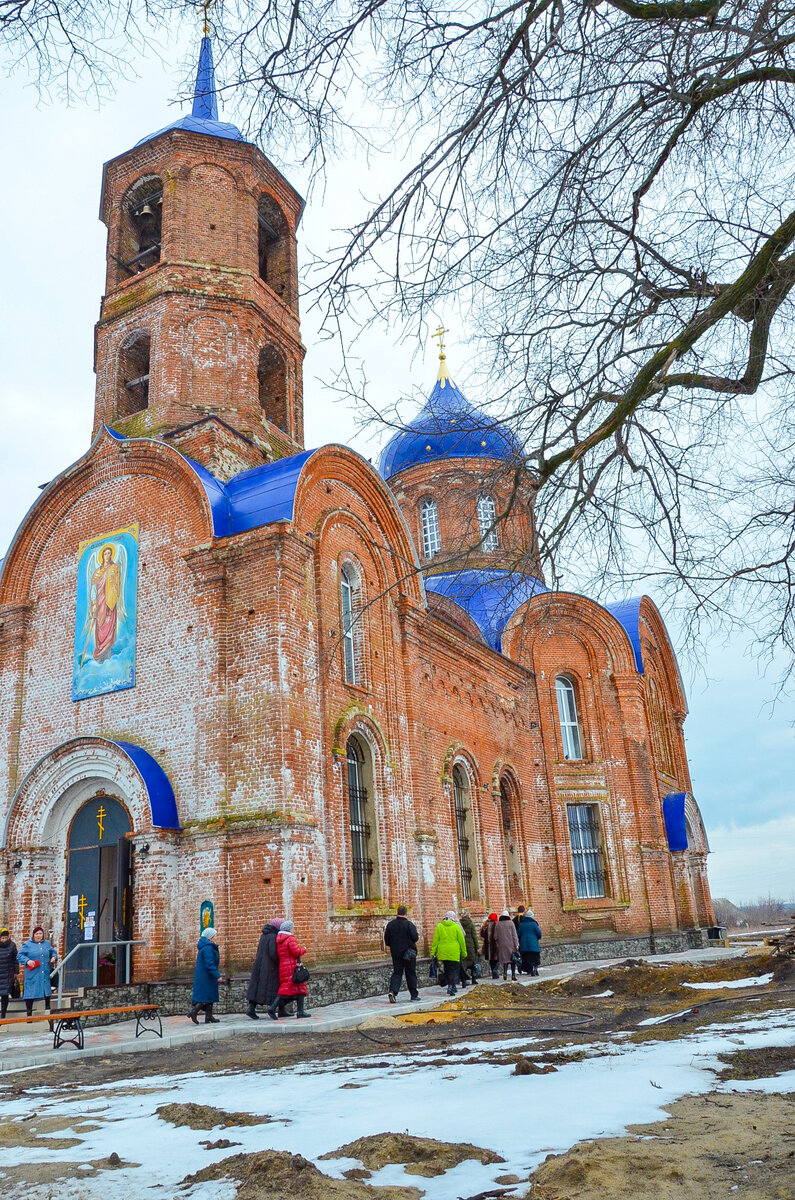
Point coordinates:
[(516, 958), (409, 954), (300, 973), (16, 990)]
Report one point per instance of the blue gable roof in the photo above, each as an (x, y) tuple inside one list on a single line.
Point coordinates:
[(448, 427), (254, 498), (489, 597)]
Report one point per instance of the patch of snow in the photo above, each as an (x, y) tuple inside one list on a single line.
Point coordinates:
[(598, 995), (753, 981), (597, 1096)]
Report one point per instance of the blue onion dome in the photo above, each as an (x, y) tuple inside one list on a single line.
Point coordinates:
[(448, 427), (204, 116)]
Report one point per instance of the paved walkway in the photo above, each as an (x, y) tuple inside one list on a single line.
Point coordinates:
[(23, 1048)]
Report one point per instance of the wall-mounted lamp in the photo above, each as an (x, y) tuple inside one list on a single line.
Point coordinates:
[(17, 866), (143, 851)]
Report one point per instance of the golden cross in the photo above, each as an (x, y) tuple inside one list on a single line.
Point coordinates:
[(440, 332), (207, 5), (101, 814), (81, 908)]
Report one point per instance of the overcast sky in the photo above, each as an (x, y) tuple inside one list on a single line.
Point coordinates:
[(52, 253)]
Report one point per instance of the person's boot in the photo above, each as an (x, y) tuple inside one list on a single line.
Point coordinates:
[(194, 1013), (252, 1012), (209, 1019), (273, 1011), (301, 1010)]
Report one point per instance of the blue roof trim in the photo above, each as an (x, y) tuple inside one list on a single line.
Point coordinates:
[(448, 427), (674, 817), (162, 802), (627, 613), (489, 597)]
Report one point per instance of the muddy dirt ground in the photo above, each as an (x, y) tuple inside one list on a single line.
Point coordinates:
[(739, 1144)]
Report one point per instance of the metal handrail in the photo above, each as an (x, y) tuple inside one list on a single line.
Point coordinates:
[(95, 966)]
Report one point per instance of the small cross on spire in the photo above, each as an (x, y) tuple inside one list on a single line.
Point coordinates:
[(207, 5), (439, 333)]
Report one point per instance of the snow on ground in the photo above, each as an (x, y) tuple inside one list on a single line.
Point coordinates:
[(754, 981), (523, 1118)]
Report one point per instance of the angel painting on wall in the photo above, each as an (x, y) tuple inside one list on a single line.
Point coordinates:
[(106, 614)]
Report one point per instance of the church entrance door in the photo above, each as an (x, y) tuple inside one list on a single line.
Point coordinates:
[(98, 892)]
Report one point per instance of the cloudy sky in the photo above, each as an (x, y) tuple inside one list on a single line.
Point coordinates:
[(52, 253)]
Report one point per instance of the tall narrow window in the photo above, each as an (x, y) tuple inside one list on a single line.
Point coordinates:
[(509, 813), (431, 542), (569, 721), (463, 829), (134, 357), (360, 801), (350, 635), (487, 516), (274, 259), (589, 879)]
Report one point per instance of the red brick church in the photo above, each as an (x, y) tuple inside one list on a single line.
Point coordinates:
[(279, 680)]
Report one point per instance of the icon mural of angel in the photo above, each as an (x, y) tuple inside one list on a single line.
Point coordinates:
[(106, 572)]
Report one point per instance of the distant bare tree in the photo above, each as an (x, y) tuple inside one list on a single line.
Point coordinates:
[(607, 186)]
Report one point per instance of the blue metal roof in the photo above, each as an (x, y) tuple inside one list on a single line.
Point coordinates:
[(675, 823), (489, 597), (448, 427), (627, 613), (204, 115), (162, 802), (254, 498)]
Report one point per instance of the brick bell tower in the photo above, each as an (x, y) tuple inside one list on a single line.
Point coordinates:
[(198, 340)]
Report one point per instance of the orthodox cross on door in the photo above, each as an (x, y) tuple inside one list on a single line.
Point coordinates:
[(101, 814)]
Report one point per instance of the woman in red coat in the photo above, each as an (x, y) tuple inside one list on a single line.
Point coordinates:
[(289, 953)]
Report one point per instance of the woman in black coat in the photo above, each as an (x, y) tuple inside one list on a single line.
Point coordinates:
[(8, 969), (263, 986)]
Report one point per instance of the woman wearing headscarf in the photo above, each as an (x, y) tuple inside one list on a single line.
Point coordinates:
[(506, 941), (530, 941), (487, 931), (263, 986), (290, 953), (206, 977), (449, 947), (8, 969), (37, 958)]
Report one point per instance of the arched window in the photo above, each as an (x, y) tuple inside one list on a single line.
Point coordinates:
[(511, 834), (431, 542), (134, 359), (487, 517), (569, 722), (141, 227), (273, 387), (361, 818), (464, 829), (273, 248), (350, 604)]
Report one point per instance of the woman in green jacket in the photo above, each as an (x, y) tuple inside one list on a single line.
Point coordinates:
[(449, 948)]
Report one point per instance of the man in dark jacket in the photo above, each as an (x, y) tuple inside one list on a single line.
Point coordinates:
[(263, 986), (8, 969), (400, 938)]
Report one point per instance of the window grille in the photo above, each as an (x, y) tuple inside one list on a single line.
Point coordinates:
[(431, 542), (359, 825), (461, 795), (589, 879), (348, 603), (569, 721), (487, 516)]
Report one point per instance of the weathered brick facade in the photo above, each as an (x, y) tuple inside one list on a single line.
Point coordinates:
[(243, 692)]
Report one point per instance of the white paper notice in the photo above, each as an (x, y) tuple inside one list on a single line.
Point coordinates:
[(73, 904), (88, 931)]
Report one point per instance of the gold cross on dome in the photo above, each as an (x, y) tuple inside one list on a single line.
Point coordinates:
[(440, 332)]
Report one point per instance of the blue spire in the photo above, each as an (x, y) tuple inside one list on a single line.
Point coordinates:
[(205, 104)]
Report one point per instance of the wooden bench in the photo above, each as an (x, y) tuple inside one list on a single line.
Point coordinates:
[(71, 1020)]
